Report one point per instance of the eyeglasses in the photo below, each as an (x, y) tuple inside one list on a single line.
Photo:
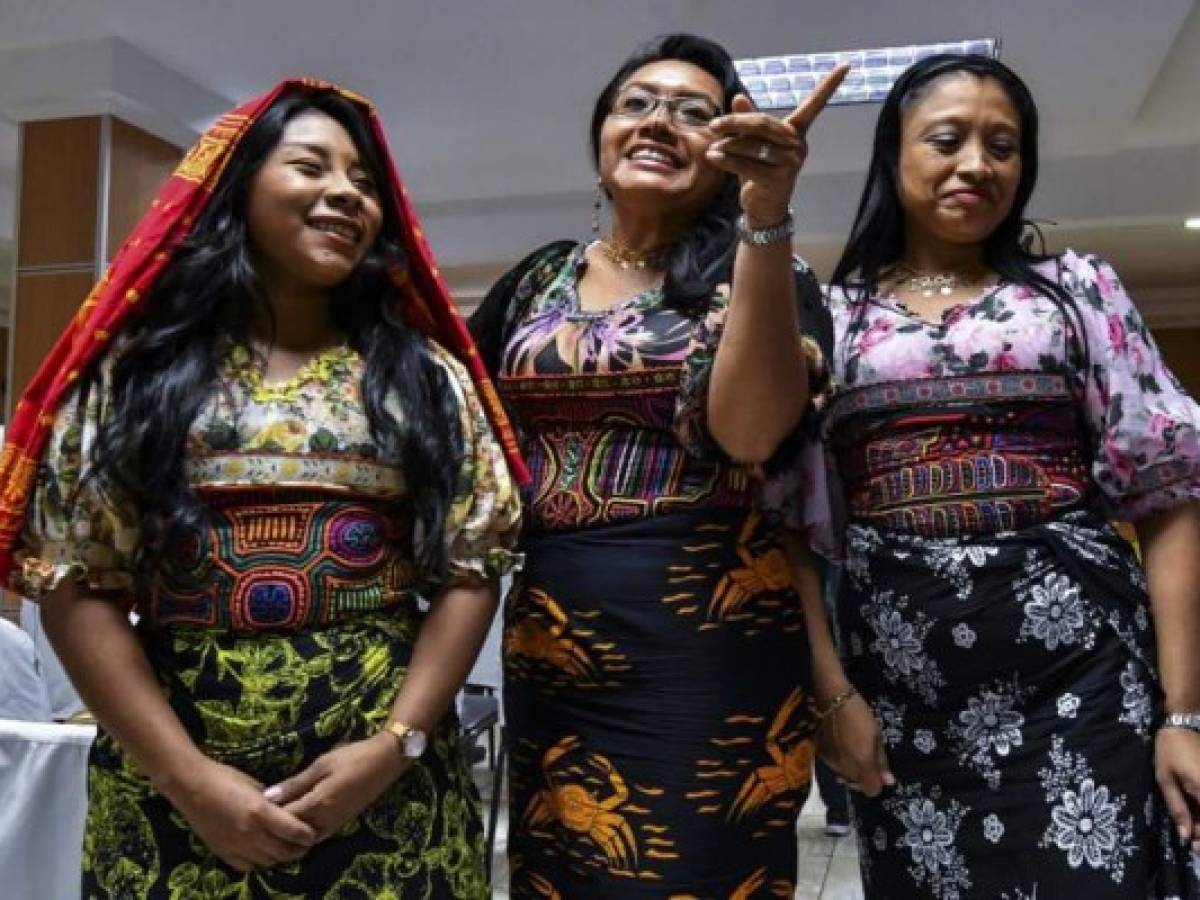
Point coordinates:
[(686, 111)]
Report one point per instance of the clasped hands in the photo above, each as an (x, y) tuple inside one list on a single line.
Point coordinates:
[(249, 826)]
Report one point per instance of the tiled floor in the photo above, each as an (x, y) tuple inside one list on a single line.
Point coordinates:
[(828, 866)]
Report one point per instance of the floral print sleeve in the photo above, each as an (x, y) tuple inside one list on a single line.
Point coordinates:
[(1143, 423), (484, 517), (75, 526), (691, 419)]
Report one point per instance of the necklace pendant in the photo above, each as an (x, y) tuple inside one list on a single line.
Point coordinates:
[(933, 284)]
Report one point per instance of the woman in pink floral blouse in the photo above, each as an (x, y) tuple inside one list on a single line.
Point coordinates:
[(1037, 687)]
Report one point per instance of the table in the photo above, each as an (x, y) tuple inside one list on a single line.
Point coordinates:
[(43, 802)]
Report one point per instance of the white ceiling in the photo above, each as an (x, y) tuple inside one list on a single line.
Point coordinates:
[(487, 101)]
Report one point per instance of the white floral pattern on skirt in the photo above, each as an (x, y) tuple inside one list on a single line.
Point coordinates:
[(1012, 677)]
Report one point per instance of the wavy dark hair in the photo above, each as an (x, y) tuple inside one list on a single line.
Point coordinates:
[(703, 257), (209, 298), (877, 236)]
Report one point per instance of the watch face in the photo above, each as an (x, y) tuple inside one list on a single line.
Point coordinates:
[(414, 744)]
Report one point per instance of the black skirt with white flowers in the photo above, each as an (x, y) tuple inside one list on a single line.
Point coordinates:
[(1014, 678)]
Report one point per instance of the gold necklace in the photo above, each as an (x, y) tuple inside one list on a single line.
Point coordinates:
[(631, 260)]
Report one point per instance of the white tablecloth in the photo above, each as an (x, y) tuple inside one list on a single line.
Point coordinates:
[(43, 801), (22, 688)]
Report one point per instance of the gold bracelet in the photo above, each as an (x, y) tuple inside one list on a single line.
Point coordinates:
[(836, 703)]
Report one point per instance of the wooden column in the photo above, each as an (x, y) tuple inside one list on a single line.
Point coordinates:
[(1179, 346), (84, 183)]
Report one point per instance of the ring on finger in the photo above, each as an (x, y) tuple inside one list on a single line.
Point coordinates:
[(764, 152)]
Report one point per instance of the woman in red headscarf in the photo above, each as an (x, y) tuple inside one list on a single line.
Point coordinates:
[(260, 433)]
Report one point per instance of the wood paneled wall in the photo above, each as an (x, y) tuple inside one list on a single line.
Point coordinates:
[(140, 163), (56, 235), (1181, 349), (60, 183), (65, 166)]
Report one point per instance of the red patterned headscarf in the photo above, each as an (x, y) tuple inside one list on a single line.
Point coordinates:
[(425, 301)]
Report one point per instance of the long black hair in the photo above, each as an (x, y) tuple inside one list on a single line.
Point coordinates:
[(208, 299), (703, 256), (877, 237)]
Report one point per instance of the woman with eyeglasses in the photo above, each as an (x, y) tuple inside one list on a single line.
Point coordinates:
[(658, 682)]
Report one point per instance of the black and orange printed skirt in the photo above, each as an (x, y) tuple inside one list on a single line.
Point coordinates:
[(657, 695)]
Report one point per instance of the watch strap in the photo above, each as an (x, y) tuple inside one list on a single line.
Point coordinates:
[(763, 237), (404, 733)]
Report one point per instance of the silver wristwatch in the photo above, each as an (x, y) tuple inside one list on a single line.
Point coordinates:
[(1190, 721), (763, 237)]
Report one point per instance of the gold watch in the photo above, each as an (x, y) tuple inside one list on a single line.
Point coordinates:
[(409, 740)]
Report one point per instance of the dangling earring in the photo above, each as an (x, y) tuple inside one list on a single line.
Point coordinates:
[(597, 201)]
